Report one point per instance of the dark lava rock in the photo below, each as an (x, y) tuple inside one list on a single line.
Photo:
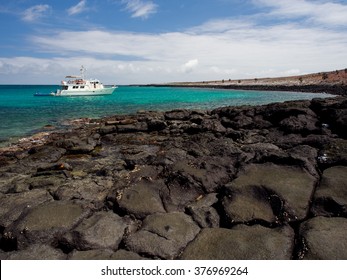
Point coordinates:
[(277, 112), (333, 112), (202, 211), (212, 125), (269, 192), (43, 222), (220, 184), (330, 198), (89, 190), (142, 199), (241, 243), (303, 124), (334, 153), (38, 252), (104, 254), (132, 128), (12, 205), (44, 154), (156, 125), (163, 235), (324, 239), (177, 115), (77, 145), (100, 231)]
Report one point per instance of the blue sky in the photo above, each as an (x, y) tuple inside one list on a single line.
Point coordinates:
[(153, 41)]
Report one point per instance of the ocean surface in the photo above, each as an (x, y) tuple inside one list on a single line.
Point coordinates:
[(23, 114)]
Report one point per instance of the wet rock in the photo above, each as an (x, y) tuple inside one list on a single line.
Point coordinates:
[(167, 155), (126, 255), (324, 239), (91, 190), (38, 252), (163, 235), (182, 186), (260, 147), (100, 231), (333, 112), (241, 243), (240, 121), (212, 125), (104, 254), (249, 203), (13, 182), (49, 183), (14, 204), (139, 154), (335, 152), (306, 157), (177, 115), (202, 211), (43, 222), (340, 124), (330, 198), (104, 130), (55, 167), (260, 123), (77, 145), (156, 125), (142, 199), (286, 190), (304, 151), (187, 180), (97, 254), (303, 124), (146, 173), (301, 156), (42, 154), (277, 112), (132, 128)]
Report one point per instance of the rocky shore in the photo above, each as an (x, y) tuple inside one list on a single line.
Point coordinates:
[(264, 182)]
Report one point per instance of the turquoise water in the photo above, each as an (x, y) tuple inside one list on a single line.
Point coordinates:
[(22, 114)]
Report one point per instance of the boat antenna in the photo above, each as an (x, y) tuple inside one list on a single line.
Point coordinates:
[(83, 70)]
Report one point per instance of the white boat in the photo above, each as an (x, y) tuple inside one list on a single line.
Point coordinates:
[(79, 86)]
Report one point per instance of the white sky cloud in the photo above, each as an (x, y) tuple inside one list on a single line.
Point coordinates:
[(236, 52), (221, 48), (140, 8), (35, 12), (190, 65), (328, 13), (78, 8)]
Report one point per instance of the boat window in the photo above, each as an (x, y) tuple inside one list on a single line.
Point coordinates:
[(82, 86), (75, 87)]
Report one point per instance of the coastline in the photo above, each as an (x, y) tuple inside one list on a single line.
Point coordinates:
[(333, 82), (164, 185), (336, 89)]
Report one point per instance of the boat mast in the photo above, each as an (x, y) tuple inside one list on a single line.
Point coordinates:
[(82, 70)]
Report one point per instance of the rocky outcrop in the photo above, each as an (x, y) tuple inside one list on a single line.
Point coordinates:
[(324, 239), (241, 243), (268, 192), (163, 235), (264, 182)]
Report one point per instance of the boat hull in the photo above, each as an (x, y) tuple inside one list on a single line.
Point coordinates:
[(103, 91)]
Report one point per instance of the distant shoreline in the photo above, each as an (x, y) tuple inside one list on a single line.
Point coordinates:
[(334, 82), (334, 89)]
